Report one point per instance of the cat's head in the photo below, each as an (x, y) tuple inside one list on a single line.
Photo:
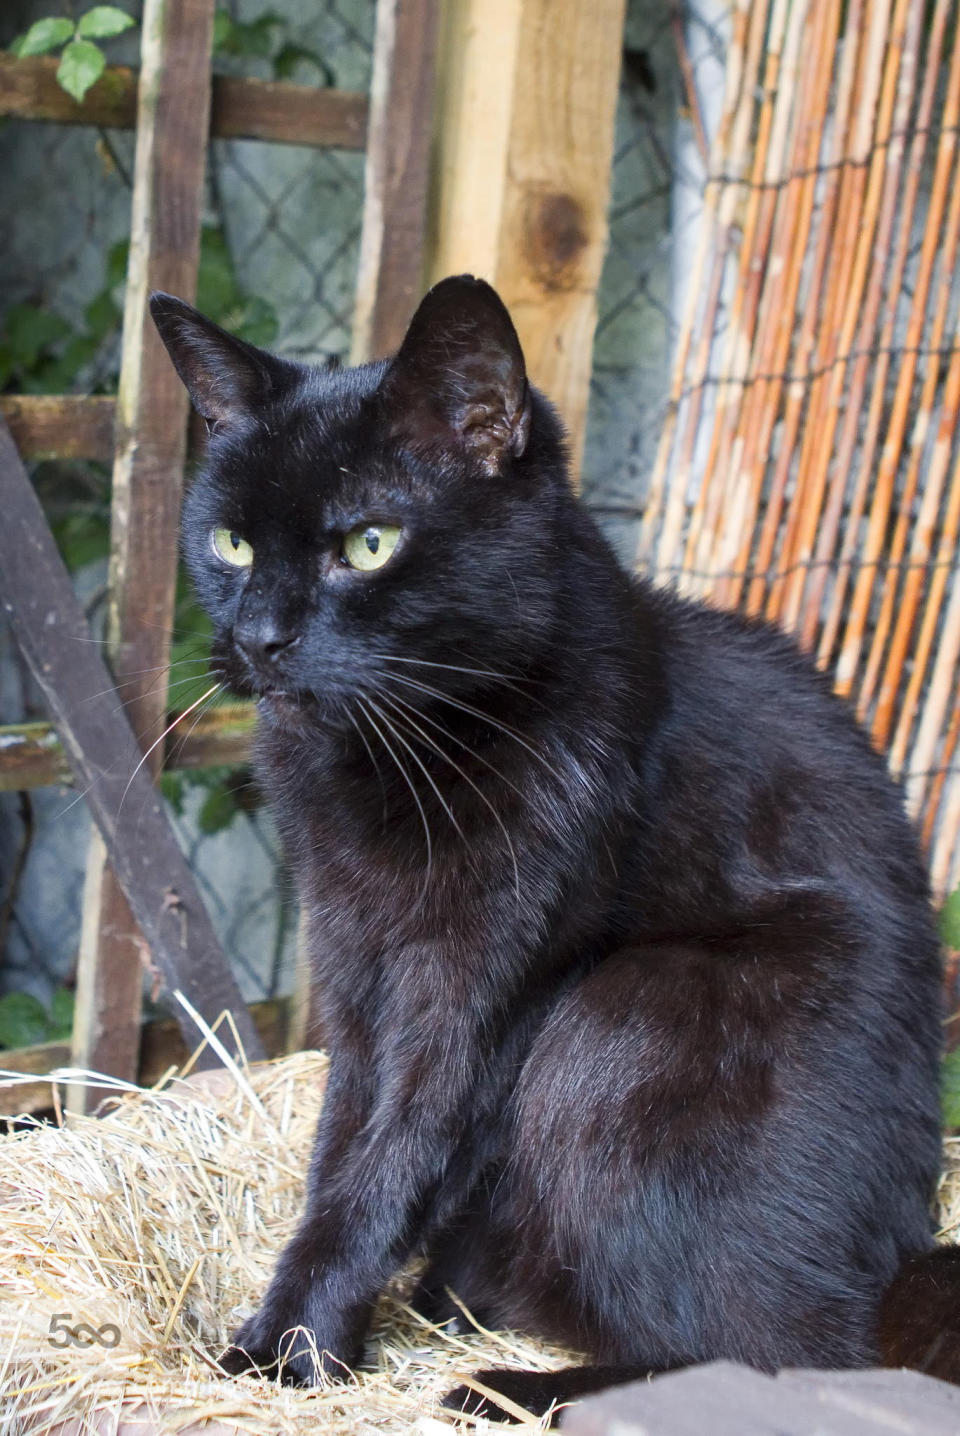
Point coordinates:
[(381, 530)]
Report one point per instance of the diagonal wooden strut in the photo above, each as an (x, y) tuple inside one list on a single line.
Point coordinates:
[(50, 628)]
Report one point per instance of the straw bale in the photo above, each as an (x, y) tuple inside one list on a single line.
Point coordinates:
[(163, 1218)]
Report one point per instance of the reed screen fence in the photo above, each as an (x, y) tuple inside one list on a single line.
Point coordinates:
[(808, 465)]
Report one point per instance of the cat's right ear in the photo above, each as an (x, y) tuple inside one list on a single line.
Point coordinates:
[(459, 378), (227, 379)]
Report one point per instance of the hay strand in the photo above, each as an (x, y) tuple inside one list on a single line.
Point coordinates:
[(163, 1219)]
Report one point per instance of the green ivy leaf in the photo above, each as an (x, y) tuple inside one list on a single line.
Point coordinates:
[(45, 35), (82, 538), (216, 277), (256, 321), (118, 257), (61, 1014), (30, 331), (23, 1020), (253, 38), (288, 57), (950, 1088), (950, 920), (103, 21), (57, 374), (218, 810), (81, 66), (102, 315), (222, 29)]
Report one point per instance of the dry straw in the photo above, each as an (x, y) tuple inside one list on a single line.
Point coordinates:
[(809, 468), (162, 1220)]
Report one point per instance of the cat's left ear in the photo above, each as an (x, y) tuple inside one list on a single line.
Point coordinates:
[(459, 379), (228, 380)]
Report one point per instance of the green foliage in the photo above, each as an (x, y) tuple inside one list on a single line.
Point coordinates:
[(41, 353), (82, 61), (43, 36), (81, 66), (950, 1088), (29, 337), (24, 1020), (950, 920), (103, 22), (265, 38), (219, 808), (83, 536), (219, 294)]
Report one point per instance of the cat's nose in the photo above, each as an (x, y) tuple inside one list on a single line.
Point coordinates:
[(262, 639)]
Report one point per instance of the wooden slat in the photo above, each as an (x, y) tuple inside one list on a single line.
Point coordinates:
[(288, 114), (32, 756), (48, 624), (173, 120), (73, 426), (524, 125), (391, 264), (61, 426), (241, 108), (161, 1047)]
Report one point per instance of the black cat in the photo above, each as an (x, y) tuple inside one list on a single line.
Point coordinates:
[(621, 936)]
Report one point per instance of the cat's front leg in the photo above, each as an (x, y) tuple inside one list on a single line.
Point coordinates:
[(298, 1333), (292, 1333), (366, 1211)]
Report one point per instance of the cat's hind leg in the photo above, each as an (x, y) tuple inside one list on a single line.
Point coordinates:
[(537, 1392)]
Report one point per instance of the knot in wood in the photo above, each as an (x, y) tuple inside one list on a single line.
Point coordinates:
[(556, 238)]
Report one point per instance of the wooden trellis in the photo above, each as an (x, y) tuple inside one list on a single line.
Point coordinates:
[(530, 177), (175, 106)]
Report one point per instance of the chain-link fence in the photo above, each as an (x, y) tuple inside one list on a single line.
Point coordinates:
[(671, 51)]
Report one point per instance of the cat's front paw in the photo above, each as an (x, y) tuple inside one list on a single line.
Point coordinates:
[(291, 1351)]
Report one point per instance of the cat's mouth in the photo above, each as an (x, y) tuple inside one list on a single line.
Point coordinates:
[(287, 707)]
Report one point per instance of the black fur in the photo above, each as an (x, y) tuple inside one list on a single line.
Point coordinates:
[(629, 983)]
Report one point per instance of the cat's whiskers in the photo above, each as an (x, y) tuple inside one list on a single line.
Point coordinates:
[(216, 688), (182, 739), (467, 708), (410, 723), (132, 678), (407, 779), (508, 680), (376, 766), (391, 724), (412, 712), (79, 797)]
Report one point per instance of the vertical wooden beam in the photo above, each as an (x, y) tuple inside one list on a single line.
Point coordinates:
[(524, 142), (173, 118), (391, 266)]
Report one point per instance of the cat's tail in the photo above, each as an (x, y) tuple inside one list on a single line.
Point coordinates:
[(919, 1322)]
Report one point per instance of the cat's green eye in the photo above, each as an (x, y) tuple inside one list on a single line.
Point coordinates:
[(370, 545), (232, 548)]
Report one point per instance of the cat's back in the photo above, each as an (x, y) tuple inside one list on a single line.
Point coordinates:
[(756, 762)]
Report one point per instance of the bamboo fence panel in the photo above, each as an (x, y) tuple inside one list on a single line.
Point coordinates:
[(809, 467)]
